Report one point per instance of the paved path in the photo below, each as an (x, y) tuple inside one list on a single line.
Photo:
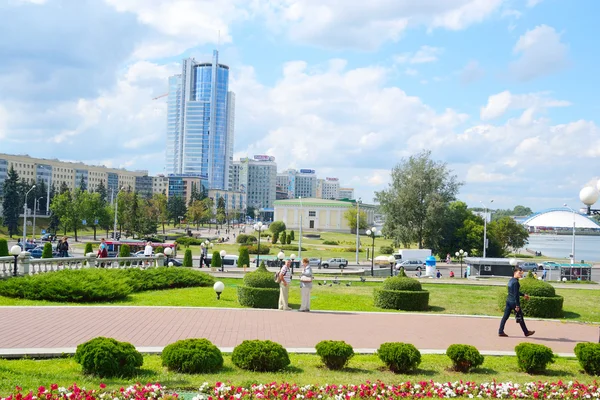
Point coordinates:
[(36, 330)]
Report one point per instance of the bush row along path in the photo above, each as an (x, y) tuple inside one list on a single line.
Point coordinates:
[(36, 330)]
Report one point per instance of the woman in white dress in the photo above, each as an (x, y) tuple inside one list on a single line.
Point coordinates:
[(305, 285)]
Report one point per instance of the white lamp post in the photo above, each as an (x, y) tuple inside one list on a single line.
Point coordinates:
[(373, 232), (168, 251), (219, 287), (461, 254), (573, 236), (223, 253), (300, 233), (357, 228), (588, 196), (280, 257), (25, 217), (258, 227), (392, 261), (485, 227), (293, 258), (116, 209), (15, 251), (35, 201)]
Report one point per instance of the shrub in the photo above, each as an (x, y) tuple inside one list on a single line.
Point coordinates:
[(402, 283), (159, 249), (277, 227), (261, 278), (275, 237), (291, 247), (259, 290), (401, 293), (164, 278), (3, 248), (331, 242), (543, 301), (215, 261), (464, 357), (260, 355), (263, 249), (107, 357), (192, 356), (292, 237), (399, 357), (88, 249), (125, 251), (289, 240), (588, 355), (187, 258), (386, 250), (47, 251), (535, 287), (189, 241), (334, 354), (242, 238), (244, 257), (533, 358), (283, 237)]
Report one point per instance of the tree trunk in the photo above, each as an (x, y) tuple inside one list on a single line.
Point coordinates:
[(95, 233), (163, 225), (75, 232)]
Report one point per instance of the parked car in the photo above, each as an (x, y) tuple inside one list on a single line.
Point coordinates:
[(411, 265), (37, 252), (335, 263), (314, 262), (176, 262), (550, 265), (139, 254), (529, 266), (48, 237)]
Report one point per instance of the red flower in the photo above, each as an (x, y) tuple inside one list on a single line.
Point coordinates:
[(102, 385)]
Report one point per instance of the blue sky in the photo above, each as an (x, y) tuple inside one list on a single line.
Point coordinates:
[(504, 91)]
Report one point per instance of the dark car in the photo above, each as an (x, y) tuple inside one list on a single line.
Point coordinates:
[(176, 262), (48, 237)]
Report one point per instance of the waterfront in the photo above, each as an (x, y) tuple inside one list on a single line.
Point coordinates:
[(559, 246)]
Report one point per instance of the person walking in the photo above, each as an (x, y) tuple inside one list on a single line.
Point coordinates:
[(285, 279), (102, 251), (63, 247), (305, 285), (148, 251), (513, 302)]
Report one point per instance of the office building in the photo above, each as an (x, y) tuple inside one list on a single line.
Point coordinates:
[(183, 186), (328, 188), (257, 178), (200, 122), (235, 201), (302, 183), (346, 193)]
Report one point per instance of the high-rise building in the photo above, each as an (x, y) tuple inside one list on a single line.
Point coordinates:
[(328, 188), (257, 178), (302, 183), (200, 122), (346, 193)]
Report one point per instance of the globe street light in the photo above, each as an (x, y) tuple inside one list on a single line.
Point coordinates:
[(485, 227), (15, 251), (258, 227), (392, 261), (373, 232), (25, 217), (573, 236), (222, 253), (588, 196), (219, 287), (168, 251), (357, 228), (293, 258), (280, 257), (461, 254)]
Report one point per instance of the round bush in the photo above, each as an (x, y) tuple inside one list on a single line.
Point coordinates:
[(241, 238), (535, 287), (399, 357), (588, 355), (543, 301), (464, 357), (533, 358), (260, 279), (192, 356), (260, 355), (401, 300), (335, 354), (257, 297), (107, 357), (264, 249), (402, 283), (386, 250)]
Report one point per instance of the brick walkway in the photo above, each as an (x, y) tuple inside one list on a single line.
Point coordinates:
[(154, 327)]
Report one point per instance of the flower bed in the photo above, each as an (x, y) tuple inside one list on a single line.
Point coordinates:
[(368, 390)]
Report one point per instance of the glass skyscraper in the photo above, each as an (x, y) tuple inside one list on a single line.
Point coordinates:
[(200, 122)]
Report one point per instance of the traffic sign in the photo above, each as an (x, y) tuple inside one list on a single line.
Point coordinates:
[(43, 231), (83, 222)]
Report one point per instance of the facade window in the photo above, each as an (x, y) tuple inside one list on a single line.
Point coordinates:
[(312, 213)]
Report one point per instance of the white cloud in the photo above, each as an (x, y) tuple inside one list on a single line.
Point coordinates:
[(411, 72), (541, 53), (502, 102), (426, 54), (3, 121), (471, 72), (533, 3), (484, 173)]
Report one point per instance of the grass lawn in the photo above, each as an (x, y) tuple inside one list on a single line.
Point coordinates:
[(304, 369), (579, 305)]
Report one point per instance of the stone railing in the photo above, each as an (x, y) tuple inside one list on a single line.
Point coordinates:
[(32, 266)]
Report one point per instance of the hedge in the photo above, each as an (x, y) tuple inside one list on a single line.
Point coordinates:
[(402, 300), (242, 238), (3, 248), (189, 241), (543, 301), (290, 247), (259, 290), (264, 249), (588, 355), (386, 250)]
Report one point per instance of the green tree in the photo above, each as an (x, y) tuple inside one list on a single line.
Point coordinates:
[(187, 258), (289, 239), (41, 193), (216, 261), (63, 188), (283, 237), (54, 222), (275, 237), (88, 248), (160, 204), (244, 257), (47, 252), (176, 208), (82, 184), (350, 216), (221, 214), (101, 190), (68, 208), (3, 248), (277, 227), (11, 203), (292, 235), (196, 212), (461, 229), (419, 193), (125, 251), (93, 210), (149, 218), (509, 234)]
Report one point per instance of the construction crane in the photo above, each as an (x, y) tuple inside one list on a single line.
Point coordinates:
[(162, 95)]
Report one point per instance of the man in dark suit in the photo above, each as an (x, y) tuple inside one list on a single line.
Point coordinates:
[(513, 302)]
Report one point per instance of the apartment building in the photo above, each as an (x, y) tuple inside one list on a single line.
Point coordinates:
[(346, 193), (302, 183), (257, 178), (328, 188)]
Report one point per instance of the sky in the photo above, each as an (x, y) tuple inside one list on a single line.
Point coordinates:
[(503, 91)]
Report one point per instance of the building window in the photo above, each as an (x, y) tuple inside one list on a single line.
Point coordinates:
[(312, 213)]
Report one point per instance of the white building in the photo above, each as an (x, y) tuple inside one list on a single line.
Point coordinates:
[(328, 188), (257, 178), (346, 193)]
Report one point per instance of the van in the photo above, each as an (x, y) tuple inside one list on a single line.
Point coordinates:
[(230, 260)]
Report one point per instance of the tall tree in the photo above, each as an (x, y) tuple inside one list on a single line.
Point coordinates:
[(196, 212), (93, 210), (11, 203), (68, 208), (509, 234), (417, 197), (221, 210), (350, 216), (160, 203), (101, 190), (176, 207), (63, 188), (461, 230), (82, 184), (149, 218), (54, 222), (41, 193)]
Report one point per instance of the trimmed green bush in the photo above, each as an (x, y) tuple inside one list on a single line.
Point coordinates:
[(588, 355), (125, 251), (261, 279), (335, 354), (264, 249), (399, 357), (244, 257), (242, 238), (187, 258), (331, 242), (275, 238), (192, 356), (107, 357), (543, 301), (292, 236), (215, 261), (259, 290), (260, 356), (160, 278), (289, 240), (386, 250), (3, 248), (533, 358), (47, 251), (277, 226), (291, 247), (283, 237), (189, 241), (88, 249), (401, 293), (159, 249), (464, 357)]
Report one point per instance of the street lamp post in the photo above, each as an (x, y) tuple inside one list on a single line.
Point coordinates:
[(300, 233), (35, 201), (280, 257), (357, 228), (116, 211), (222, 253), (168, 251), (293, 258), (461, 254), (392, 261), (25, 216), (15, 251), (485, 227), (573, 236), (589, 196), (373, 232), (258, 227)]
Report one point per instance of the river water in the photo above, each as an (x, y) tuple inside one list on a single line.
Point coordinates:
[(559, 246)]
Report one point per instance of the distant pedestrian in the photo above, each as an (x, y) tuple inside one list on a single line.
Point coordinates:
[(102, 251), (285, 279), (305, 285), (448, 259), (63, 247), (513, 302), (438, 274), (148, 251)]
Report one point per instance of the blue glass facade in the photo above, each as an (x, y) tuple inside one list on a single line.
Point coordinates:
[(200, 114), (79, 175), (3, 174), (112, 183)]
